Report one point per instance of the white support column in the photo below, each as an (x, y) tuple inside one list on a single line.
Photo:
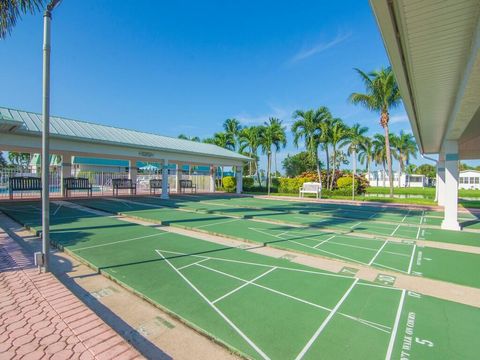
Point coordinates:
[(239, 176), (450, 220), (178, 177), (212, 178), (66, 169), (165, 179), (132, 172), (440, 185)]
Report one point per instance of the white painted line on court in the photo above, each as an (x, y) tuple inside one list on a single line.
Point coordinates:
[(56, 211), (394, 231), (421, 218), (195, 263), (328, 252), (363, 321), (389, 267), (325, 322), (243, 285), (324, 241), (406, 216), (217, 310), (418, 232), (411, 259), (377, 253), (373, 215), (263, 265), (120, 241), (354, 226), (217, 223), (380, 286), (395, 327)]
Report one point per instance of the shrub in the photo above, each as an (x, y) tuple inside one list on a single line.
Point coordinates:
[(345, 181), (229, 183), (291, 186), (248, 183)]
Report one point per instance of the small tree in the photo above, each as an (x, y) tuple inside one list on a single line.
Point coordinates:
[(296, 164)]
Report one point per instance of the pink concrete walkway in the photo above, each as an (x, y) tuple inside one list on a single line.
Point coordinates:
[(41, 319)]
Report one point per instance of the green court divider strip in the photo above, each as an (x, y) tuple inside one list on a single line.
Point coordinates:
[(451, 266), (368, 227)]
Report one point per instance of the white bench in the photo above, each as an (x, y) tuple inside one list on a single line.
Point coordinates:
[(311, 188)]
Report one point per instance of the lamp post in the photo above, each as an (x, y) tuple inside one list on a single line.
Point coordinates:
[(47, 17)]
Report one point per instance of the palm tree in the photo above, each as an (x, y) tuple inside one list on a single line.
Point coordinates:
[(326, 135), (272, 135), (249, 138), (232, 127), (379, 152), (307, 127), (381, 95), (191, 138), (338, 132), (406, 147), (365, 154), (355, 138), (11, 11), (223, 140)]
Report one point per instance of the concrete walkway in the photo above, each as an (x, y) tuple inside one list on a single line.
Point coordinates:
[(41, 319)]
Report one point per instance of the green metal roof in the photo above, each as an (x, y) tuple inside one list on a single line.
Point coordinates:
[(29, 122)]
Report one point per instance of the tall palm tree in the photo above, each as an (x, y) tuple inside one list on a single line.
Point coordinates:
[(406, 147), (338, 132), (382, 94), (232, 127), (307, 126), (191, 138), (379, 152), (365, 154), (223, 140), (250, 140), (11, 11), (326, 135), (273, 135), (355, 137)]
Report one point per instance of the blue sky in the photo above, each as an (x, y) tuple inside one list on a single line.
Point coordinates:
[(185, 66)]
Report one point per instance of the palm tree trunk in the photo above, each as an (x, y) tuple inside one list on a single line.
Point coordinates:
[(318, 168), (354, 171), (328, 164), (389, 156), (269, 155), (334, 165)]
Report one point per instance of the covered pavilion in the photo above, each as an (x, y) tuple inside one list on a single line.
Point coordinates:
[(21, 131)]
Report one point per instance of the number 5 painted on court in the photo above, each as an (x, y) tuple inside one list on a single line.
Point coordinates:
[(424, 342)]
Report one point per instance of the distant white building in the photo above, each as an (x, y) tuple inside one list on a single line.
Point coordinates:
[(380, 178), (469, 179)]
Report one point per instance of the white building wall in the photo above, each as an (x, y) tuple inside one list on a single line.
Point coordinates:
[(380, 178), (469, 179)]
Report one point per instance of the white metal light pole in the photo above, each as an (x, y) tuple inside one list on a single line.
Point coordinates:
[(47, 17), (354, 170)]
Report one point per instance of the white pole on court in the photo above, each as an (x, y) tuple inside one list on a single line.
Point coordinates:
[(47, 17)]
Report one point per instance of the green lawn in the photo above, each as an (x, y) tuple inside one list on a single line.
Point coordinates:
[(262, 307)]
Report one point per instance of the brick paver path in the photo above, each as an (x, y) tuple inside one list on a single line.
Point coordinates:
[(41, 319)]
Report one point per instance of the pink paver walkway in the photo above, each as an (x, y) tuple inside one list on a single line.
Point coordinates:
[(41, 319)]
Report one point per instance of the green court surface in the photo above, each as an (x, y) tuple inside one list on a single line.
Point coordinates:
[(404, 257), (262, 307), (359, 220)]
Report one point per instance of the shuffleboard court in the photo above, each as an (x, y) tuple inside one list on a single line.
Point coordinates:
[(404, 257), (351, 224), (262, 307)]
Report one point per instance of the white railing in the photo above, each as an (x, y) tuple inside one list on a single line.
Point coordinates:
[(101, 181)]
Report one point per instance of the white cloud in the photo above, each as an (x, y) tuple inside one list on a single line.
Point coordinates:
[(319, 47), (276, 111)]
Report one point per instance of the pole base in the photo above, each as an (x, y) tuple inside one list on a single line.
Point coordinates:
[(451, 225)]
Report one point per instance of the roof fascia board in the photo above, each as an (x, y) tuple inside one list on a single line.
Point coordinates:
[(29, 143), (384, 12)]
